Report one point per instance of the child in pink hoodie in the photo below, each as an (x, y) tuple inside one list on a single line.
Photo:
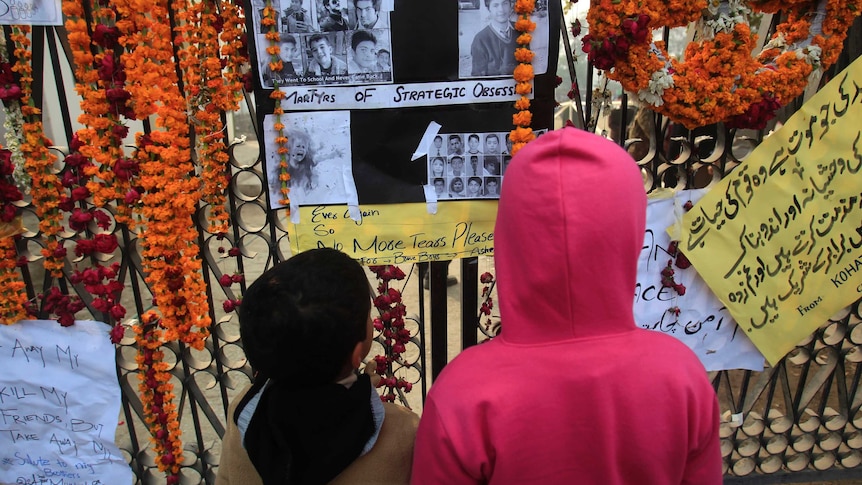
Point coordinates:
[(572, 391)]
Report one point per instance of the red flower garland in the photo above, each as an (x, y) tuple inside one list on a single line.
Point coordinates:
[(390, 324)]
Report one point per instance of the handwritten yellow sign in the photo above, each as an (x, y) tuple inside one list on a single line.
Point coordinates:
[(399, 233), (779, 240)]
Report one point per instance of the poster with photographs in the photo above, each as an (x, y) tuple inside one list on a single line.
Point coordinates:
[(325, 42), (488, 39), (319, 161), (472, 170), (377, 108)]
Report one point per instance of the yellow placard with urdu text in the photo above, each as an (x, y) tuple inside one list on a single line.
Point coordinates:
[(779, 240), (399, 233)]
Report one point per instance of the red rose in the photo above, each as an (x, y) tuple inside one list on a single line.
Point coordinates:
[(9, 192), (682, 261), (103, 220), (120, 131), (106, 243), (66, 320), (91, 276), (80, 193), (131, 197), (126, 168), (225, 280), (66, 204), (10, 92), (117, 333), (118, 312), (79, 219), (106, 36), (76, 143), (85, 247), (60, 252), (101, 304)]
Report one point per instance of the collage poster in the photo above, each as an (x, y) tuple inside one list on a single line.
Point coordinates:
[(393, 102)]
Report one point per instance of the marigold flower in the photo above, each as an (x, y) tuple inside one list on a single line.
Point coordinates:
[(522, 118), (719, 80), (524, 55)]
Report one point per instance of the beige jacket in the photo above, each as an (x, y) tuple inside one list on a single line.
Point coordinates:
[(388, 462)]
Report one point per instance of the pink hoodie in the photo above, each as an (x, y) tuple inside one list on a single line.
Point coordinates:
[(572, 391)]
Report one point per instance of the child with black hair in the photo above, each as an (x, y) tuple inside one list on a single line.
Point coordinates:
[(309, 416)]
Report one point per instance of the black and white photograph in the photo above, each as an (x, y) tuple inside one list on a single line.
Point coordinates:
[(319, 160), (456, 188), (326, 58), (368, 14), (474, 171), (473, 147), (456, 166), (488, 39), (474, 187), (325, 42), (364, 62), (474, 165), (291, 63), (492, 187), (436, 168), (439, 184), (332, 17)]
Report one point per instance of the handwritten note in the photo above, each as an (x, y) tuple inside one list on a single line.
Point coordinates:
[(30, 12), (702, 322), (399, 234), (779, 240), (59, 404)]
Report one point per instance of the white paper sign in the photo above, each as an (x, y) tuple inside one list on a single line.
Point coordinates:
[(387, 96), (703, 323), (59, 405), (30, 12)]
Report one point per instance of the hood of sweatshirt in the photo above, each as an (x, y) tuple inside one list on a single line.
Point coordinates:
[(570, 227)]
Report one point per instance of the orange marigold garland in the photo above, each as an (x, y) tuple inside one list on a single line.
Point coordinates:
[(100, 79), (234, 51), (169, 250), (96, 165), (719, 80), (523, 119), (275, 64), (207, 97), (39, 161)]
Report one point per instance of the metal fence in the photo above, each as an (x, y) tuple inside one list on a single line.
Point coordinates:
[(797, 421)]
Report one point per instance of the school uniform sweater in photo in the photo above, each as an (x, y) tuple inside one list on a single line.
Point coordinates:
[(573, 391)]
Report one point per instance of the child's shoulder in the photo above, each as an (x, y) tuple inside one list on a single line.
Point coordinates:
[(400, 413)]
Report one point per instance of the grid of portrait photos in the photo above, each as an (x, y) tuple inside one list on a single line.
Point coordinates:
[(469, 165), (327, 42)]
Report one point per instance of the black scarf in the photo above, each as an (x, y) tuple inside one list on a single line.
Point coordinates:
[(307, 435)]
